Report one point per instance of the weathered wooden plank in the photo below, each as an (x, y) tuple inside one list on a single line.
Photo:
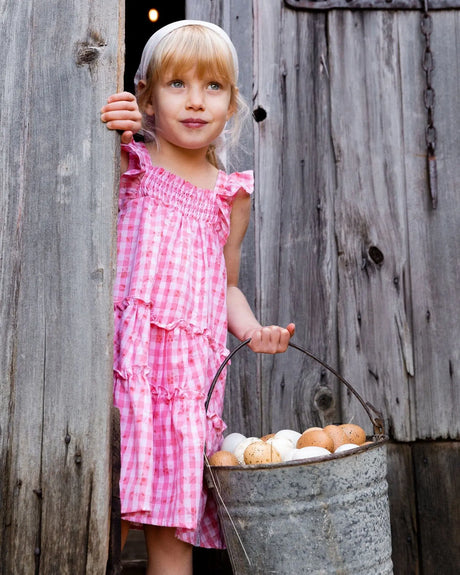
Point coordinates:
[(434, 236), (241, 411), (57, 191), (436, 470), (114, 560), (295, 237), (375, 338), (403, 511), (386, 340)]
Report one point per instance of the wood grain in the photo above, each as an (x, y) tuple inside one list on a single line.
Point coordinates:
[(57, 229)]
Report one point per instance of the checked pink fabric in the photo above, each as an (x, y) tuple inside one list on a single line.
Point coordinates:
[(170, 339)]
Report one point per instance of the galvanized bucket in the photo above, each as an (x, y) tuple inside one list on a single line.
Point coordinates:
[(327, 516)]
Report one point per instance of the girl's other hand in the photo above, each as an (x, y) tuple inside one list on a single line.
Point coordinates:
[(270, 339), (122, 113)]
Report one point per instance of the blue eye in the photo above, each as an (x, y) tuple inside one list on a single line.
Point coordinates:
[(214, 86), (176, 84)]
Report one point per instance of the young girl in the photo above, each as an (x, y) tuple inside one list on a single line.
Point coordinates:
[(180, 228)]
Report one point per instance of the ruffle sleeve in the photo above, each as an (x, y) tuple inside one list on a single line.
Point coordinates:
[(227, 192), (130, 180), (237, 181)]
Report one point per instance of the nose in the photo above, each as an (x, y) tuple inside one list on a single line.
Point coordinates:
[(195, 98)]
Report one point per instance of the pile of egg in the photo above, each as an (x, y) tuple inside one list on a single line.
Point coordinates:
[(288, 445)]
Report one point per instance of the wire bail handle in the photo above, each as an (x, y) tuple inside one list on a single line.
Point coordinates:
[(374, 415)]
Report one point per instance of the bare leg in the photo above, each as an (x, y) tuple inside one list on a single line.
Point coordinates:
[(124, 532), (166, 554)]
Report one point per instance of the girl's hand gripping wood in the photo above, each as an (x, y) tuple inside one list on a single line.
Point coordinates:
[(122, 113)]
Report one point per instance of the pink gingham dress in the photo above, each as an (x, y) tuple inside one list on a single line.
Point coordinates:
[(170, 339)]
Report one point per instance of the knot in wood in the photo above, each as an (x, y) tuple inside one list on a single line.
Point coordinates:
[(90, 50), (259, 114), (376, 255), (87, 54), (324, 399)]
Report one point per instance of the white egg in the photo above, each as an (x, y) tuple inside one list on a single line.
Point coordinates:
[(283, 446), (241, 447), (290, 434), (346, 447), (309, 452), (231, 441)]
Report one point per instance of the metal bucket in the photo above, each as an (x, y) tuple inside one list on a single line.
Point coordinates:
[(328, 516)]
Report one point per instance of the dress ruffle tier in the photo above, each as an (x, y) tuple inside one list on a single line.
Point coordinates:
[(170, 339)]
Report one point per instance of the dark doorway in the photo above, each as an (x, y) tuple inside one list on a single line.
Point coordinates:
[(139, 27)]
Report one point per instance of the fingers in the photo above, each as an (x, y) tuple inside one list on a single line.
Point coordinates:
[(271, 339), (123, 124), (291, 329), (123, 101), (126, 137), (121, 96), (122, 113)]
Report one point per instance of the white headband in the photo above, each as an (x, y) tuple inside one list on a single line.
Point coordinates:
[(162, 32)]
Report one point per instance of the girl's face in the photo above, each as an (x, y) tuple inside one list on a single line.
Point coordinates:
[(190, 110)]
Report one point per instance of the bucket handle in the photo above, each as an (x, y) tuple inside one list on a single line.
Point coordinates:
[(374, 415)]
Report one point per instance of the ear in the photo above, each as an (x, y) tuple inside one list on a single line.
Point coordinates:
[(148, 108), (232, 105)]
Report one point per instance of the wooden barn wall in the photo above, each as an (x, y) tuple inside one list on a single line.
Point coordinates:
[(344, 242), (57, 182)]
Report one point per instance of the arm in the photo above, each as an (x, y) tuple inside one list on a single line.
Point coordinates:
[(241, 320), (122, 113)]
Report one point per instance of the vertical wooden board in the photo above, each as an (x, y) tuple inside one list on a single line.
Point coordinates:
[(209, 10), (59, 183), (436, 469), (294, 231), (434, 236), (403, 511), (241, 411), (375, 335), (12, 129), (24, 453)]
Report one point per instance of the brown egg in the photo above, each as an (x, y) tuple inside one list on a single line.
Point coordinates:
[(317, 437), (355, 434), (268, 436), (223, 458), (261, 452), (337, 434)]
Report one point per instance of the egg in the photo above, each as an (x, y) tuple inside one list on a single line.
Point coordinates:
[(315, 437), (337, 434), (355, 433), (283, 446), (239, 449), (290, 434), (261, 452), (231, 441), (223, 458), (346, 447), (267, 437), (309, 453)]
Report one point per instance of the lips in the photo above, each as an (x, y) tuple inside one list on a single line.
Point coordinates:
[(193, 122)]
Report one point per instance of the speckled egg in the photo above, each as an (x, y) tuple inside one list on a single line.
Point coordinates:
[(261, 452), (220, 458)]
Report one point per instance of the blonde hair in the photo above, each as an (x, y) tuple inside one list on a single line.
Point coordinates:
[(182, 49)]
